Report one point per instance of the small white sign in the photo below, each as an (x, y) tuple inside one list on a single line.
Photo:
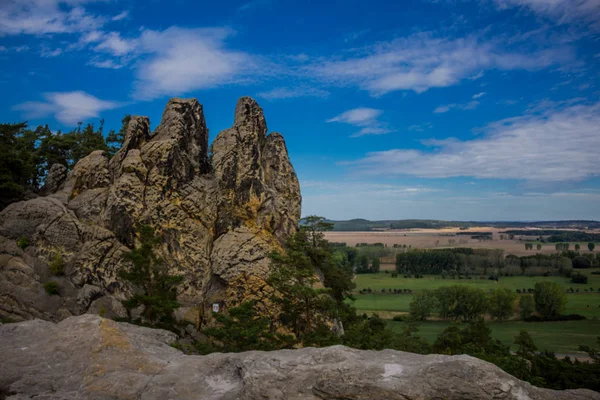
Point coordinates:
[(215, 307)]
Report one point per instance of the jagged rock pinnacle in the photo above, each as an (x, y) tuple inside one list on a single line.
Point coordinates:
[(219, 218)]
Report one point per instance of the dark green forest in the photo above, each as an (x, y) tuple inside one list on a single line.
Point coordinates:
[(27, 154)]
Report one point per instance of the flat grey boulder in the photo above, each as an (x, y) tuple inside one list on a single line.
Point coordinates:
[(88, 357)]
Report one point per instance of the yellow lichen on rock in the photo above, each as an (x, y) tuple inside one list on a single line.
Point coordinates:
[(112, 336)]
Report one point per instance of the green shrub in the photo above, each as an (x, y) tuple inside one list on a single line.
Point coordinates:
[(23, 242), (526, 306), (579, 278), (57, 265), (51, 287)]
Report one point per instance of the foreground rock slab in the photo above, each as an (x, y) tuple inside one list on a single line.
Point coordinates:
[(88, 357)]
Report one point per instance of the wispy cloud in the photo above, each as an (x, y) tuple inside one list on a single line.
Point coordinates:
[(341, 186), (558, 144), (478, 95), (120, 16), (50, 53), (423, 61), (421, 127), (38, 17), (292, 92), (471, 105), (254, 4), (561, 11), (67, 107), (365, 118), (108, 64)]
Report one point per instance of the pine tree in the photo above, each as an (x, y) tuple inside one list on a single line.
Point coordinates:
[(242, 329), (154, 286), (304, 302)]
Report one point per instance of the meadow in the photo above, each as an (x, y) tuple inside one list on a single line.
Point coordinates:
[(562, 337)]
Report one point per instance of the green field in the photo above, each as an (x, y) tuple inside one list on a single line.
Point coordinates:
[(560, 337), (557, 336)]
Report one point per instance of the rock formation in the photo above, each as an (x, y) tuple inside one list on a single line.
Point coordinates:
[(88, 357), (220, 214)]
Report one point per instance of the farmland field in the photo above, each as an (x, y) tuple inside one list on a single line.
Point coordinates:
[(439, 238), (559, 336)]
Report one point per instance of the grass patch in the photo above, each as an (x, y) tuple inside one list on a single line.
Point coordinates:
[(57, 265), (23, 242), (51, 287)]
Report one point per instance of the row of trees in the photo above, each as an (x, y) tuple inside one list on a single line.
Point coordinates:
[(565, 246), (465, 303), (467, 261), (26, 155), (458, 259), (363, 266)]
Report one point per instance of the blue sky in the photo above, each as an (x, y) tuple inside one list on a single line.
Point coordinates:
[(448, 109)]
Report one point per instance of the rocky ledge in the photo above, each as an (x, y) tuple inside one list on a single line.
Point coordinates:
[(88, 357)]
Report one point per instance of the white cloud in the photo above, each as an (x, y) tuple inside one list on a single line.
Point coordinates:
[(471, 105), (559, 144), (49, 53), (366, 118), (112, 43), (181, 60), (357, 116), (108, 64), (67, 107), (120, 16), (288, 93), (422, 61), (478, 95), (37, 17), (562, 11), (476, 76)]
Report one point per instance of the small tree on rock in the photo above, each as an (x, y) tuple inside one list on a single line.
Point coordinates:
[(154, 286), (242, 329)]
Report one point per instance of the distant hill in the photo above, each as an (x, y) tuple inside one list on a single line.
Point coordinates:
[(366, 225)]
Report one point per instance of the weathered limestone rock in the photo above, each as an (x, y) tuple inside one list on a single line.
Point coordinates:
[(87, 357), (56, 176), (89, 173), (219, 216)]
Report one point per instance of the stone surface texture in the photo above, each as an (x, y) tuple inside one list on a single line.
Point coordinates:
[(221, 211), (88, 357)]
